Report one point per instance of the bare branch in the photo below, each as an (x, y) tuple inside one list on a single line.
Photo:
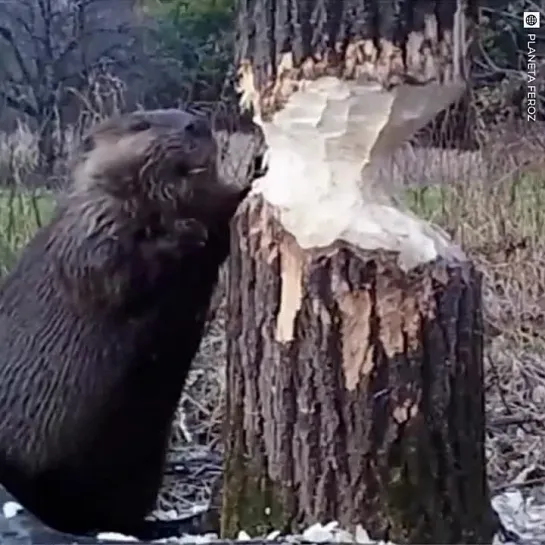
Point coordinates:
[(7, 35), (20, 104)]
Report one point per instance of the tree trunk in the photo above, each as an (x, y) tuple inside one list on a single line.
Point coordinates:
[(390, 41), (354, 391), (354, 365)]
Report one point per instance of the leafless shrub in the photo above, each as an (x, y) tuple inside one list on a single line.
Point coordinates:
[(51, 49)]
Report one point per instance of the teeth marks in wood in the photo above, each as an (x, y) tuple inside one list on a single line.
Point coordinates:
[(385, 40)]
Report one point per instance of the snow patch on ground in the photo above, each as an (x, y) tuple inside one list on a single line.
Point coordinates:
[(190, 539), (316, 533), (11, 508), (332, 533), (114, 536), (522, 515)]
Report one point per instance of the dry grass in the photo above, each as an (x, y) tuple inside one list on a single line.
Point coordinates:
[(501, 227), (491, 202)]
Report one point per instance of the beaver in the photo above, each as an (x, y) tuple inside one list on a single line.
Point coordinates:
[(102, 315)]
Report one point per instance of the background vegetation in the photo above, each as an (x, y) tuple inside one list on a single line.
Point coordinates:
[(65, 64)]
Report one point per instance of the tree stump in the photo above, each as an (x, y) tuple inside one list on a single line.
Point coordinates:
[(355, 391), (354, 365), (354, 368)]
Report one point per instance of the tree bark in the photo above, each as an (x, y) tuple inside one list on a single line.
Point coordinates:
[(355, 391), (354, 365), (391, 41)]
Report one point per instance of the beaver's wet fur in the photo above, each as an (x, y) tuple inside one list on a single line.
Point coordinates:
[(102, 315)]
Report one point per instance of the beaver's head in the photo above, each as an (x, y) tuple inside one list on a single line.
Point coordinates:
[(160, 160)]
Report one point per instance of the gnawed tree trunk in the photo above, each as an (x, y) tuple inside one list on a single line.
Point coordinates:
[(390, 41), (354, 372)]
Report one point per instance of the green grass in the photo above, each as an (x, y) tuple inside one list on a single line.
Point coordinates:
[(21, 213), (477, 214), (474, 214)]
